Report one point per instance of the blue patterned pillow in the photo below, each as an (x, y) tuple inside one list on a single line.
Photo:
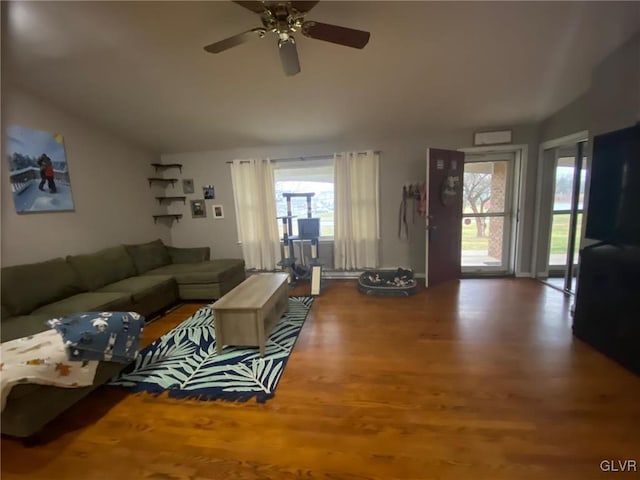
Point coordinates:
[(104, 336)]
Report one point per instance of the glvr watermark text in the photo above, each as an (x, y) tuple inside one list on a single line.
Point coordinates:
[(619, 466)]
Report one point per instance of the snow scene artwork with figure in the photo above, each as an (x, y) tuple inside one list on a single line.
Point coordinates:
[(38, 170)]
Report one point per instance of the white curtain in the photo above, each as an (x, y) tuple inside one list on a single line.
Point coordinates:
[(255, 200), (356, 210)]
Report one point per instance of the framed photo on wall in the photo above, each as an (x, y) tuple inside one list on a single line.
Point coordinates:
[(38, 170), (198, 209), (209, 192), (187, 185), (218, 211)]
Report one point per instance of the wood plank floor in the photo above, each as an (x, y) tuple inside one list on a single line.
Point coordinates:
[(474, 380)]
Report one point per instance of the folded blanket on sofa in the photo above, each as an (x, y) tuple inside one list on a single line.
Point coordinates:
[(105, 336), (41, 359)]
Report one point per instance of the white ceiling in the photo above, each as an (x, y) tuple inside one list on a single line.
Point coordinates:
[(139, 68)]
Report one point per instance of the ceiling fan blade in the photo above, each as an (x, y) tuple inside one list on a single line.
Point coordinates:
[(239, 39), (333, 33), (289, 56), (257, 7), (303, 7)]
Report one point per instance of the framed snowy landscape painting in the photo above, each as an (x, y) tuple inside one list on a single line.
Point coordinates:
[(38, 170)]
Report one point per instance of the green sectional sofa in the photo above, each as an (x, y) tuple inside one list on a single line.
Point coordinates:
[(145, 278)]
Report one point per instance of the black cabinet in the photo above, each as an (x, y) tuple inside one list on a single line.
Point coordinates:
[(607, 308)]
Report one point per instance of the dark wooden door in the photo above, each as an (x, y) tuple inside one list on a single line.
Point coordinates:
[(445, 170)]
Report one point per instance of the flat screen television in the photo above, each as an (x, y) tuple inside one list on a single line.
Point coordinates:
[(614, 193)]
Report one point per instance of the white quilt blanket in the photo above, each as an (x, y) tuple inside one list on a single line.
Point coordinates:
[(41, 359)]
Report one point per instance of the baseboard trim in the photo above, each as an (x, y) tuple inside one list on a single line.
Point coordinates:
[(354, 274), (335, 275)]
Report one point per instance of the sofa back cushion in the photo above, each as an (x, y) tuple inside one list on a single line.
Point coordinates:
[(189, 255), (103, 267), (27, 287), (147, 256)]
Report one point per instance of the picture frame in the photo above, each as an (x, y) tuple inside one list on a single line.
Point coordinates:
[(198, 209), (187, 185), (209, 192), (38, 170), (218, 211)]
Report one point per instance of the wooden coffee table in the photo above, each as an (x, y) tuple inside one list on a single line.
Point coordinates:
[(246, 315)]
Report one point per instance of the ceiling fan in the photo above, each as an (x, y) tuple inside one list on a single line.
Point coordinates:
[(284, 19)]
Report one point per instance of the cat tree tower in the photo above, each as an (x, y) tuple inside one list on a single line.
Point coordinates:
[(308, 230)]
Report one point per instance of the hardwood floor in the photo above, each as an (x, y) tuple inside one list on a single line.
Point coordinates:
[(476, 380)]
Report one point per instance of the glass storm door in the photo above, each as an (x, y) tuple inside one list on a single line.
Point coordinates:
[(567, 213), (487, 214)]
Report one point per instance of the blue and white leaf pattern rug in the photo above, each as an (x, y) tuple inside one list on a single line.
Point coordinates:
[(184, 362)]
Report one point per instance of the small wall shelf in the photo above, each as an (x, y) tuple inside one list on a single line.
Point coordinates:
[(173, 216), (165, 166), (172, 181), (171, 199)]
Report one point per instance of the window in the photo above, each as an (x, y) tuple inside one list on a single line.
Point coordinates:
[(561, 216), (306, 176)]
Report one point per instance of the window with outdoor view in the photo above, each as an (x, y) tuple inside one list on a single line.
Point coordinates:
[(306, 176), (485, 217), (561, 216)]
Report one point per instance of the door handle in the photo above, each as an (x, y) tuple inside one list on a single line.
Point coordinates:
[(432, 231)]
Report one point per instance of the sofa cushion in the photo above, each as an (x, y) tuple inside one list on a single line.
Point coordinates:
[(26, 287), (213, 271), (22, 326), (140, 287), (189, 255), (103, 267), (147, 256), (88, 302)]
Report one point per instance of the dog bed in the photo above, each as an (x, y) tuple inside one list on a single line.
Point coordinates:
[(398, 282)]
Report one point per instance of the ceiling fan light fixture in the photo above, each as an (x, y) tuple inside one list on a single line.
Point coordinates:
[(285, 18), (285, 38)]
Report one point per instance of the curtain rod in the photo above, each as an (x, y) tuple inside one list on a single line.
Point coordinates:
[(304, 157)]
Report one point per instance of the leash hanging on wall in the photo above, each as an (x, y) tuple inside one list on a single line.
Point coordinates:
[(417, 194)]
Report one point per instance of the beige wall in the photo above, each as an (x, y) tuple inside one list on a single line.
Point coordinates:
[(614, 95), (611, 102), (113, 203), (572, 118), (402, 160)]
